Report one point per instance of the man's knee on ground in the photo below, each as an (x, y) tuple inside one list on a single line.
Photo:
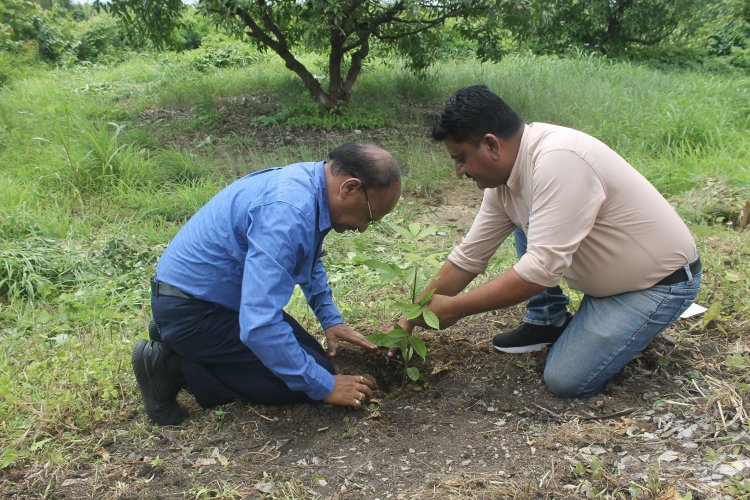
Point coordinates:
[(563, 383), (560, 388)]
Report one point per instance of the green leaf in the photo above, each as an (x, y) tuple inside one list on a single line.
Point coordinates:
[(39, 444), (390, 339), (413, 373), (410, 310), (427, 298), (387, 270), (419, 346), (404, 233), (426, 231), (408, 276), (431, 319), (414, 228), (8, 457), (403, 344)]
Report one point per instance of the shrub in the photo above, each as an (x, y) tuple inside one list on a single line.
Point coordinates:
[(220, 52), (19, 63), (97, 36)]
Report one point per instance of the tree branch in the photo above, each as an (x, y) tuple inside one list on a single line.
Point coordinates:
[(425, 25), (282, 49)]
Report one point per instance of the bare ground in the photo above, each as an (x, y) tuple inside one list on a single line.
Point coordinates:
[(484, 426)]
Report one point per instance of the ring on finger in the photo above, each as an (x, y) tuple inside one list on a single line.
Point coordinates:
[(357, 402), (361, 379)]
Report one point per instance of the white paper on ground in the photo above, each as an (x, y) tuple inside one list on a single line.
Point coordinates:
[(693, 310)]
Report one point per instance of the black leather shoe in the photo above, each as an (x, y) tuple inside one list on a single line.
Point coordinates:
[(153, 331), (158, 386), (529, 338)]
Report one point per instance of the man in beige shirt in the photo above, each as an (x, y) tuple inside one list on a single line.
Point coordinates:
[(580, 212)]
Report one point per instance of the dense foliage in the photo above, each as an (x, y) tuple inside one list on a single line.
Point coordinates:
[(668, 32), (345, 29), (713, 34)]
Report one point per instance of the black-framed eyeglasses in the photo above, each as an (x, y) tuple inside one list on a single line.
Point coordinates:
[(369, 208)]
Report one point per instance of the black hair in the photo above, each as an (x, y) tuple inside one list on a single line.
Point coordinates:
[(472, 112), (370, 163)]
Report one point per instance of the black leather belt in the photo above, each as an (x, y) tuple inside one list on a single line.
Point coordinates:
[(680, 275), (159, 288)]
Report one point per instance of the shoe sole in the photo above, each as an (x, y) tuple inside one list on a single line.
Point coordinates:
[(525, 348)]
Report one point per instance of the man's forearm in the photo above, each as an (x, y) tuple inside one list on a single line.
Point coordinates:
[(506, 290), (450, 280)]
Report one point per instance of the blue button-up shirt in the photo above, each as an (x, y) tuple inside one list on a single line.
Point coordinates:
[(247, 248)]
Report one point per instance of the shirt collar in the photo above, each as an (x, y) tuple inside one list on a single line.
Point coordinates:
[(514, 181), (324, 221)]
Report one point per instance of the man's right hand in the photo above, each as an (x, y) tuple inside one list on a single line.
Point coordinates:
[(350, 390)]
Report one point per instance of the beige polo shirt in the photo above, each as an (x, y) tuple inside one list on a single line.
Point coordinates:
[(589, 217)]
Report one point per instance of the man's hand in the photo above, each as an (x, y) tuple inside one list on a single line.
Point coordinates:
[(343, 332), (444, 308), (350, 390)]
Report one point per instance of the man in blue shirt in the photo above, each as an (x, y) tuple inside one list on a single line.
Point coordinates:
[(219, 290)]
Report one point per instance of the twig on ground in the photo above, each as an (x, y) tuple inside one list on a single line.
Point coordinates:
[(626, 411), (550, 412), (621, 413), (261, 415)]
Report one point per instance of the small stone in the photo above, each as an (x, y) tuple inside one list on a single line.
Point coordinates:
[(727, 470), (687, 432), (668, 456)]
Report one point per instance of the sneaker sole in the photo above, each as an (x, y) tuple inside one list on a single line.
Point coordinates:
[(525, 348)]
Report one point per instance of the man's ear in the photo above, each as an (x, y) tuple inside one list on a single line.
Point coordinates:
[(492, 142), (349, 187)]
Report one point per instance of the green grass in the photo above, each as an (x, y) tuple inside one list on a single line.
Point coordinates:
[(91, 191)]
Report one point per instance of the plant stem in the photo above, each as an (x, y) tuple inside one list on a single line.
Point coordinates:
[(414, 287)]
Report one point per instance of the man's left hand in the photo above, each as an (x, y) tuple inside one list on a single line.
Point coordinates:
[(343, 332)]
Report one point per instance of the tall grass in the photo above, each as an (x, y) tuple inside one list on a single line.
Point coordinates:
[(101, 165)]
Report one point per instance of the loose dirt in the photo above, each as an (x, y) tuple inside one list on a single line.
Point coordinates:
[(483, 426)]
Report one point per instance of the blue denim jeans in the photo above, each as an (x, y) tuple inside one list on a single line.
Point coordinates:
[(606, 333), (548, 306)]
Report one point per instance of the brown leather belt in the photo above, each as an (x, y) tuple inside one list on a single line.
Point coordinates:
[(680, 275)]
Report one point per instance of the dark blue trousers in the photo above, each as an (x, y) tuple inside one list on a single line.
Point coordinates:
[(218, 367)]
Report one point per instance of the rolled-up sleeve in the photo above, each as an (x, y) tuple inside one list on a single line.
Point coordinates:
[(281, 243), (490, 228), (567, 195)]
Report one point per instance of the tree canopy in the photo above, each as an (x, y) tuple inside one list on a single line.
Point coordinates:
[(345, 29), (607, 26)]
